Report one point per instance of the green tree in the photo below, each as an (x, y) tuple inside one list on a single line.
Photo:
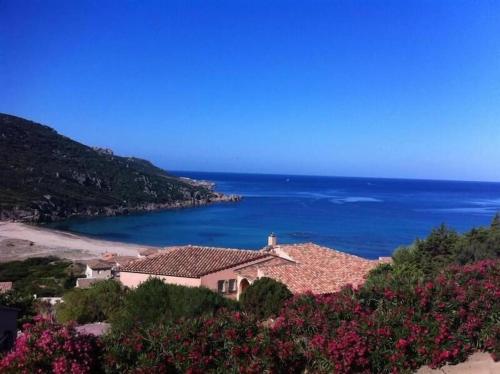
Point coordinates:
[(24, 303), (97, 303), (265, 297), (428, 256), (154, 302)]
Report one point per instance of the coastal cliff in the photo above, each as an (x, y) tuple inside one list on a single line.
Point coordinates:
[(45, 176)]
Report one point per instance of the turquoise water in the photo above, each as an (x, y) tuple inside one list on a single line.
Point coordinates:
[(365, 216)]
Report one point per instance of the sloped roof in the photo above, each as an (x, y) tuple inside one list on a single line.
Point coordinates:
[(5, 286), (315, 268), (192, 261), (87, 282), (121, 260), (99, 265)]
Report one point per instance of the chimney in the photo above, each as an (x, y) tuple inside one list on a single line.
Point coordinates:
[(272, 240)]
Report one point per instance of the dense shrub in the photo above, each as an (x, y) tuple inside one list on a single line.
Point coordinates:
[(47, 347), (96, 303), (197, 345), (154, 302), (24, 303), (437, 321), (444, 246), (43, 276), (395, 328), (265, 297)]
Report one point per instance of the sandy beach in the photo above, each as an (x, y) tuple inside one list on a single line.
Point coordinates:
[(20, 241)]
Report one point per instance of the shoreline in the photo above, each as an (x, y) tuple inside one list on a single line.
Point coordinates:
[(19, 241), (37, 216)]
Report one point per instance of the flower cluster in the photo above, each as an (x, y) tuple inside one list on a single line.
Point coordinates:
[(387, 329), (47, 347)]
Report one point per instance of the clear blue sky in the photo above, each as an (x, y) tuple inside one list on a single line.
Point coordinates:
[(354, 88)]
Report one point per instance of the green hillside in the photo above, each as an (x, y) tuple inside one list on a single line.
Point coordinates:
[(45, 176)]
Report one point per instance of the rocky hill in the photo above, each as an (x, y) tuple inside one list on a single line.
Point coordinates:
[(45, 176)]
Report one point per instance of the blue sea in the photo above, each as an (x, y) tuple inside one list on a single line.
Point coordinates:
[(369, 217)]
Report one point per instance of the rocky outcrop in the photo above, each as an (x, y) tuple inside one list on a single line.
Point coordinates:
[(47, 212), (45, 176)]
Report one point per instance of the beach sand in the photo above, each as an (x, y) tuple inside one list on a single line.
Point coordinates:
[(19, 241)]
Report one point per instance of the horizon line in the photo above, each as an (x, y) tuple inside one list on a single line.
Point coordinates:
[(335, 176)]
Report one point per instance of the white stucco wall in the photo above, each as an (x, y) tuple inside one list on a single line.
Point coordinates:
[(101, 274)]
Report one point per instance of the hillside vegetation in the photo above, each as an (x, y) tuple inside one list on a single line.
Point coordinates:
[(45, 176)]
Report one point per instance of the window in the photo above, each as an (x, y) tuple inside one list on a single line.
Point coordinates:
[(232, 285), (221, 286)]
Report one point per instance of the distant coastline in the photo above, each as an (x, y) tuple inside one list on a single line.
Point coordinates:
[(28, 216), (48, 177), (368, 217)]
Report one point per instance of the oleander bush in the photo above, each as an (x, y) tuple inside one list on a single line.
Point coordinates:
[(48, 347), (383, 328)]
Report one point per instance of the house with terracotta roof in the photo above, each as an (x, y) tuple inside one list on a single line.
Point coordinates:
[(99, 269), (107, 267), (194, 266), (303, 268)]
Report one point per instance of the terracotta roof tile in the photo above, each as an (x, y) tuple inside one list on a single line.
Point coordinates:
[(121, 260), (87, 282), (5, 286), (99, 265), (316, 269), (192, 261)]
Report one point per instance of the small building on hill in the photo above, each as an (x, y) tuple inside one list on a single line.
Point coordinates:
[(99, 269), (302, 267)]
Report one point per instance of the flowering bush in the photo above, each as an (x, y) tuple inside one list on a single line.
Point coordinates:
[(47, 347), (385, 327), (433, 323)]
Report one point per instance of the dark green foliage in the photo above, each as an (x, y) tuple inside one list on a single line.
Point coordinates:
[(95, 304), (46, 176), (43, 276), (426, 258), (265, 297), (479, 244), (431, 254), (24, 303), (154, 302)]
